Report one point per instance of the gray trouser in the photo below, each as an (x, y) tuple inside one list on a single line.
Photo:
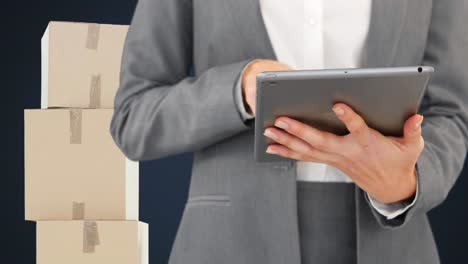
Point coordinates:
[(327, 222)]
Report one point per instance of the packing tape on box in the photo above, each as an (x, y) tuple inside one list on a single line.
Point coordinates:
[(90, 236), (95, 92), (75, 126), (92, 38), (92, 41), (78, 211), (90, 228)]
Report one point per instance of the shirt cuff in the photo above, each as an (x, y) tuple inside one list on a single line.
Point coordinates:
[(239, 99), (393, 210)]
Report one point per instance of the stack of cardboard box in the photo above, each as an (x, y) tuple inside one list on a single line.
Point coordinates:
[(79, 187)]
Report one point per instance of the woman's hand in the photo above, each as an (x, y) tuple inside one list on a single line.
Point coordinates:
[(382, 166), (249, 79)]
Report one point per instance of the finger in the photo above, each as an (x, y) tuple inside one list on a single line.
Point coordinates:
[(318, 139), (412, 130), (288, 140), (281, 67), (313, 155), (284, 152), (353, 122), (252, 105)]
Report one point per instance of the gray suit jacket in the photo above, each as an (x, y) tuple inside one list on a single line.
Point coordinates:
[(240, 211)]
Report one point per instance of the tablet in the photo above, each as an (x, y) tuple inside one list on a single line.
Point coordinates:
[(384, 97)]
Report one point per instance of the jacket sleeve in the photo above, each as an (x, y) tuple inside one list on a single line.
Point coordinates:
[(159, 110), (445, 110)]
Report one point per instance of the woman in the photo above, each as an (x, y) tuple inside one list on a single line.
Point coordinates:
[(359, 198)]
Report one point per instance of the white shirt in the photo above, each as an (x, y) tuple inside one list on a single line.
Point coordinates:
[(321, 34)]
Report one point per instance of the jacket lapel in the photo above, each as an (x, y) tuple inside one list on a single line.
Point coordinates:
[(386, 25), (248, 19)]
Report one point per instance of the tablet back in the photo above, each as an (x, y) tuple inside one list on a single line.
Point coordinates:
[(384, 97)]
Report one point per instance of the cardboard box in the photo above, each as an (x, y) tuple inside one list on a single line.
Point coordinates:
[(85, 242), (74, 170), (81, 64)]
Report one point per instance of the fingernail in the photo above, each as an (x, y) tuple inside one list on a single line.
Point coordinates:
[(270, 133), (269, 150), (338, 110), (418, 124), (281, 124)]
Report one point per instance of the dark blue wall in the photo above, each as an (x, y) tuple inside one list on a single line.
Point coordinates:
[(163, 183)]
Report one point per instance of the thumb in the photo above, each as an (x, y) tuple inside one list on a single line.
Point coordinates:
[(412, 129)]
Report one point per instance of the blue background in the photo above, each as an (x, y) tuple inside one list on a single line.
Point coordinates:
[(163, 183)]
